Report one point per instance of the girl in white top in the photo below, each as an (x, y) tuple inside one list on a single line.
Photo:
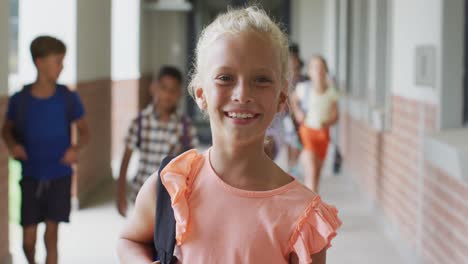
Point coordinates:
[(318, 112)]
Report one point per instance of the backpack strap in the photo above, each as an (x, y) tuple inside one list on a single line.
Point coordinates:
[(165, 224), (21, 112), (69, 101), (67, 96)]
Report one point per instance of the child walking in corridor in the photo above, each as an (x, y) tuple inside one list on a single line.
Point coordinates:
[(321, 98), (232, 203), (158, 131), (37, 132)]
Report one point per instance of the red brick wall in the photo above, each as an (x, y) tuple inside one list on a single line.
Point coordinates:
[(362, 154), (4, 241), (427, 207), (125, 105), (402, 154), (445, 214), (95, 159)]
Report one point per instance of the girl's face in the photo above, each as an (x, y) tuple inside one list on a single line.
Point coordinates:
[(317, 70), (241, 86)]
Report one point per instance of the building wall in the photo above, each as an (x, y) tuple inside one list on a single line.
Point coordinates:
[(423, 206), (402, 166), (389, 167), (125, 72), (94, 85), (94, 166), (125, 39), (93, 40), (445, 210), (412, 28), (125, 106)]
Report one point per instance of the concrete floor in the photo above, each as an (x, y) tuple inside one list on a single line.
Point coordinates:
[(91, 235)]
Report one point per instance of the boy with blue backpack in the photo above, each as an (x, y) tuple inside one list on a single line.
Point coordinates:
[(37, 132)]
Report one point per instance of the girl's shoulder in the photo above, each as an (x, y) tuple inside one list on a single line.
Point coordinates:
[(184, 167)]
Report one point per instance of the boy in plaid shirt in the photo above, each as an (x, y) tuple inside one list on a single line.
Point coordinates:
[(157, 132)]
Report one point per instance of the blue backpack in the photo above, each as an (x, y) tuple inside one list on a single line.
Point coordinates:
[(21, 109)]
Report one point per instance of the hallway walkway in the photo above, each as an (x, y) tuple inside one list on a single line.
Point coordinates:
[(360, 239), (91, 236)]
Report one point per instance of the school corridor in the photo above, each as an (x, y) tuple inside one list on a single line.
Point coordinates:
[(400, 67)]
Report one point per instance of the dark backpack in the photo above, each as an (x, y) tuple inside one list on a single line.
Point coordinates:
[(21, 109), (165, 224)]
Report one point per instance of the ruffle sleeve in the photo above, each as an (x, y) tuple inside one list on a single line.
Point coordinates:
[(178, 177), (314, 230)]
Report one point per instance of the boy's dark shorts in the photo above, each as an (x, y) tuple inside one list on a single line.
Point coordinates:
[(45, 200)]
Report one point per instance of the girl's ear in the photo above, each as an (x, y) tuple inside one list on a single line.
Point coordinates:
[(200, 98), (283, 96), (282, 100)]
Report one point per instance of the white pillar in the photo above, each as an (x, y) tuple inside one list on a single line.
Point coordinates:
[(125, 67), (5, 36), (330, 34), (164, 34), (47, 17), (93, 39), (125, 39), (169, 39), (93, 83), (377, 59), (308, 26)]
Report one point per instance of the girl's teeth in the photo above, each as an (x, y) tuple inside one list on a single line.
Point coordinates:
[(240, 115)]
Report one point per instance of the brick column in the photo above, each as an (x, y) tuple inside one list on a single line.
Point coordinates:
[(126, 15), (93, 74), (5, 256)]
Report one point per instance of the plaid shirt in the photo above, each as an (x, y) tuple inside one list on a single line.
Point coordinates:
[(156, 140)]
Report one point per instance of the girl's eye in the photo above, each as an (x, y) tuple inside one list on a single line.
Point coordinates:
[(224, 78), (263, 80)]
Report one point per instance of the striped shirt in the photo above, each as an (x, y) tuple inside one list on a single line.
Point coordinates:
[(155, 140)]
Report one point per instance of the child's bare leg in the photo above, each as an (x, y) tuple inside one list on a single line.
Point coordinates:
[(317, 168), (293, 155), (50, 239), (29, 242), (308, 169)]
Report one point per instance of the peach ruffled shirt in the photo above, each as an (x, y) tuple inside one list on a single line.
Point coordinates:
[(217, 223)]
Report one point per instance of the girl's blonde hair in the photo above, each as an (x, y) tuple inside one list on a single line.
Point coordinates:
[(236, 21)]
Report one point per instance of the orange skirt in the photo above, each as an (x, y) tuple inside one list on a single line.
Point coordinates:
[(315, 140)]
